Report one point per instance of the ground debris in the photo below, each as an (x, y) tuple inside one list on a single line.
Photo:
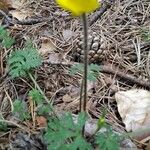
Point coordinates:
[(23, 141)]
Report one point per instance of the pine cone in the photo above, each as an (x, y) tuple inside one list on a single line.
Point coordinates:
[(96, 47)]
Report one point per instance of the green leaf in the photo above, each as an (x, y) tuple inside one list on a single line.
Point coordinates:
[(23, 61), (36, 96), (108, 140), (79, 144), (20, 110), (5, 38), (145, 34), (3, 32), (3, 125), (81, 120), (7, 42), (93, 71), (65, 134), (44, 109), (77, 68)]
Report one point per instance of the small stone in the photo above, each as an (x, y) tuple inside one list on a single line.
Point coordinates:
[(128, 144)]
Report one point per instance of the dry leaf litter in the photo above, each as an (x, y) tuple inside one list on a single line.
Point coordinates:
[(115, 41)]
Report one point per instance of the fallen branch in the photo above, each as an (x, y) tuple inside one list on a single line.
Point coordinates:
[(110, 70), (98, 14), (9, 21), (103, 69), (127, 77)]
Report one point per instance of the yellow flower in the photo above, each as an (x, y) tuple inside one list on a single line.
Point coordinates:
[(78, 7)]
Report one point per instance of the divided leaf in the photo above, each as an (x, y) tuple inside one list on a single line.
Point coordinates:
[(3, 125), (22, 61), (145, 33), (65, 134), (20, 110), (36, 96), (5, 38), (93, 71), (108, 140), (42, 109)]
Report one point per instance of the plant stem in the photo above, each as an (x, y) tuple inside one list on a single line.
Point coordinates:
[(85, 41), (81, 95), (40, 90)]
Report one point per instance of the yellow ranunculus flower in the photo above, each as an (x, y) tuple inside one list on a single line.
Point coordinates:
[(78, 7)]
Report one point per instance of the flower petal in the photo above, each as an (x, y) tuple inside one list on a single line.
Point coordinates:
[(78, 7)]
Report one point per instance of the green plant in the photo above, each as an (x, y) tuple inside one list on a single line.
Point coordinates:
[(20, 110), (22, 61), (65, 134), (62, 133), (3, 125), (93, 71), (5, 38), (42, 109), (36, 96), (145, 34), (90, 72), (107, 140)]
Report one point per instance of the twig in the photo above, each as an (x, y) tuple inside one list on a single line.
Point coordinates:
[(23, 22), (31, 21), (14, 124), (3, 77), (10, 100), (127, 77), (5, 15), (98, 14), (111, 70), (139, 134)]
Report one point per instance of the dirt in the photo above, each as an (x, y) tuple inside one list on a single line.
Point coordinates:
[(120, 30)]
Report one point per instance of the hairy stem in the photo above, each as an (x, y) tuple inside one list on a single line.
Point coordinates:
[(81, 95), (85, 33)]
